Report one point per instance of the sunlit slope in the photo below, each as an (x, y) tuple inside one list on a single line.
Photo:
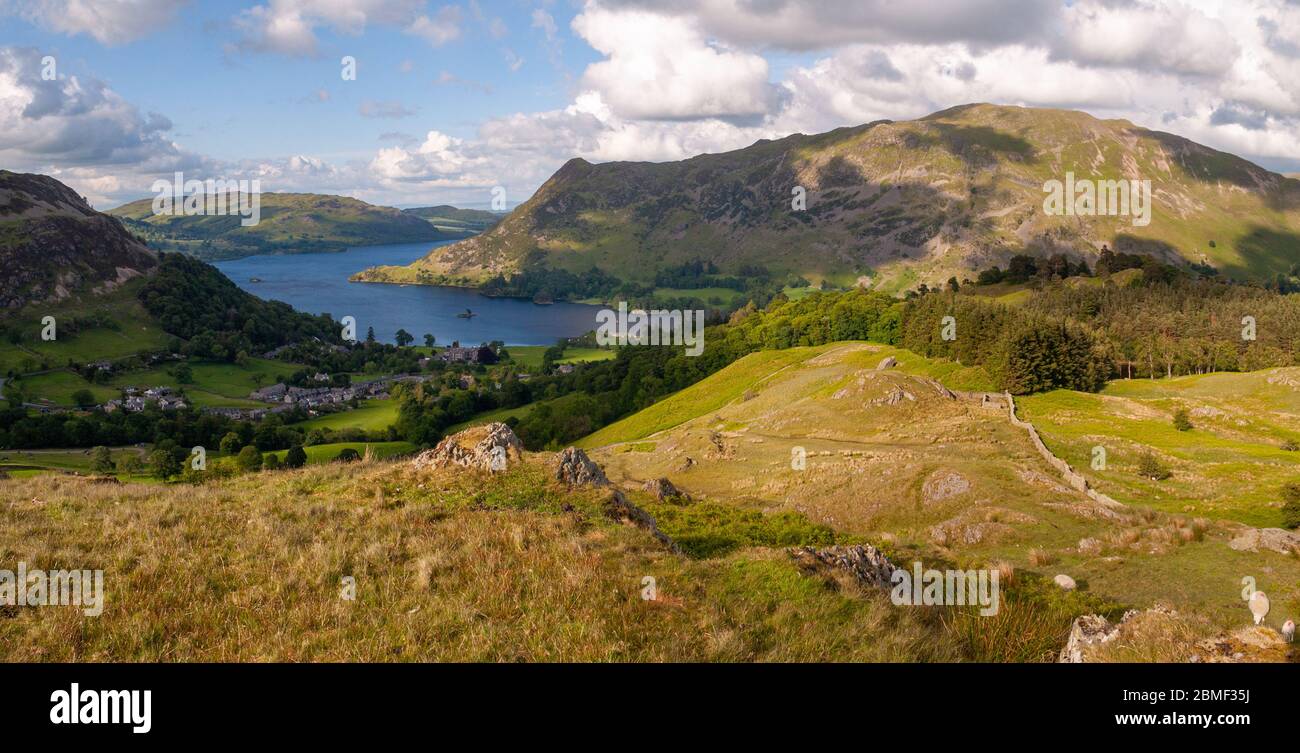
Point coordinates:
[(1231, 464), (897, 457), (902, 202)]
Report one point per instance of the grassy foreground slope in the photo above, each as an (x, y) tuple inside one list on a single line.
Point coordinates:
[(891, 456), (447, 566)]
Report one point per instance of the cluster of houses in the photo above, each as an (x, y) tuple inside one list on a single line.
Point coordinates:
[(318, 397), (135, 400)]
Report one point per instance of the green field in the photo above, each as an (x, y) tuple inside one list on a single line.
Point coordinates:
[(20, 463), (1230, 465), (491, 417), (325, 453), (530, 356), (216, 384), (371, 415)]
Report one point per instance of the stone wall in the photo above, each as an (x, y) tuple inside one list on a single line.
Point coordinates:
[(1071, 477)]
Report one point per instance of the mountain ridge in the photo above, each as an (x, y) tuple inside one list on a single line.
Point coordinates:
[(899, 202)]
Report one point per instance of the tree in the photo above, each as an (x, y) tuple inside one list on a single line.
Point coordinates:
[(101, 460), (429, 340), (184, 374), (163, 464), (271, 462), (370, 335), (953, 285), (296, 457), (403, 338), (249, 459), (83, 398), (230, 443), (1182, 421), (1291, 505), (347, 455), (131, 465), (1150, 467)]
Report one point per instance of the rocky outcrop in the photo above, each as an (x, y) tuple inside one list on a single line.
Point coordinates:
[(493, 447), (1274, 539), (56, 245), (664, 491), (624, 510), (575, 468), (888, 362), (864, 562), (1092, 638)]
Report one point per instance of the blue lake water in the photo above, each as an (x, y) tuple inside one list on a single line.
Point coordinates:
[(318, 284)]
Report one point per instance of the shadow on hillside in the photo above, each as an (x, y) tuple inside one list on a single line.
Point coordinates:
[(977, 146), (1266, 252)]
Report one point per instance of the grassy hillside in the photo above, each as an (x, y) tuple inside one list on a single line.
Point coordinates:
[(896, 202), (290, 223), (1231, 464), (447, 567), (455, 220), (891, 457)]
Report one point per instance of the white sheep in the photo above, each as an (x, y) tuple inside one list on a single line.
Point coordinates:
[(1259, 606), (1288, 630)]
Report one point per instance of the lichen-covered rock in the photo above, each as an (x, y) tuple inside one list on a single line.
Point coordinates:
[(1275, 539), (863, 561), (492, 447), (624, 510), (888, 362), (575, 468), (1065, 582), (664, 491)]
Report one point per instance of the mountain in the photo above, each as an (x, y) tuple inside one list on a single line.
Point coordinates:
[(289, 223), (899, 202), (53, 245), (453, 219)]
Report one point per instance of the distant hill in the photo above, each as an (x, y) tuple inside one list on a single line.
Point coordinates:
[(898, 202), (453, 219), (53, 245), (290, 223)]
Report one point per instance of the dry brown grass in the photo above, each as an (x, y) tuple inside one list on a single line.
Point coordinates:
[(447, 566)]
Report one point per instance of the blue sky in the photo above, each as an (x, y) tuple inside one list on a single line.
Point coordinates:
[(452, 99)]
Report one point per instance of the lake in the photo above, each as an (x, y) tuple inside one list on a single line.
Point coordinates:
[(318, 284)]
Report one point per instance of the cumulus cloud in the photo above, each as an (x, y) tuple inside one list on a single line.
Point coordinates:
[(112, 22), (662, 67)]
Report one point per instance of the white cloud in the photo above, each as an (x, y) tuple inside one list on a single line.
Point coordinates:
[(112, 22), (662, 67), (288, 27)]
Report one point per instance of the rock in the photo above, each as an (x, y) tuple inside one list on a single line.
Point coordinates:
[(664, 491), (622, 509), (492, 448), (1276, 539), (686, 464), (889, 362), (944, 484), (575, 468), (1088, 631), (863, 561), (1065, 581), (1089, 546)]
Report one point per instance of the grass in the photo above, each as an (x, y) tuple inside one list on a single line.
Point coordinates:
[(447, 567), (215, 383), (326, 453), (1230, 465), (371, 415), (530, 356), (492, 416), (39, 461)]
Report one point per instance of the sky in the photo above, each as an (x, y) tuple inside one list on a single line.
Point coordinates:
[(417, 102)]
